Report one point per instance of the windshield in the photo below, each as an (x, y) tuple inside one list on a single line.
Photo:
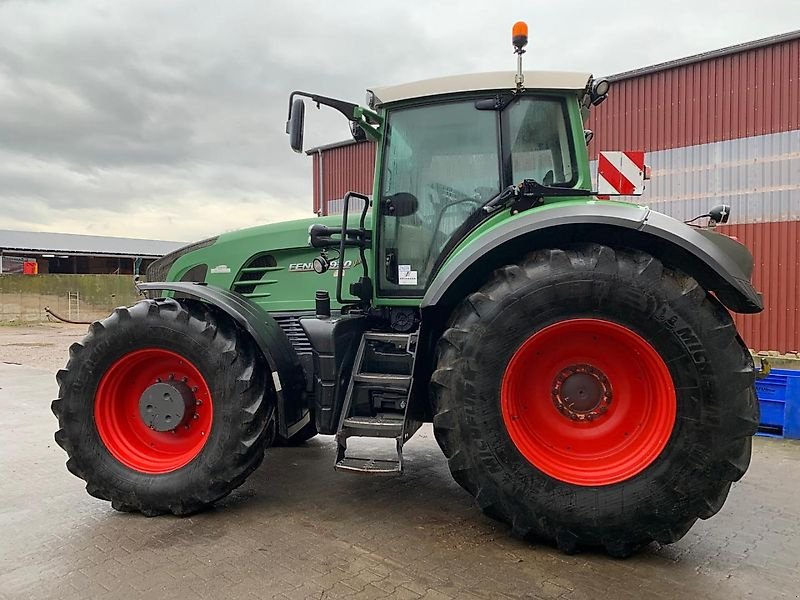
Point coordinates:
[(538, 141), (449, 157)]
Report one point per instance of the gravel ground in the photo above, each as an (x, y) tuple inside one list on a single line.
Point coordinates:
[(41, 346), (297, 529)]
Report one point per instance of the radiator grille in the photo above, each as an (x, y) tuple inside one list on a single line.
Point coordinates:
[(294, 331)]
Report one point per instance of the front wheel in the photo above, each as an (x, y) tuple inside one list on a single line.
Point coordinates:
[(595, 398), (163, 407)]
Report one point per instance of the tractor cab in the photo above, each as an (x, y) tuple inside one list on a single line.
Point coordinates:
[(453, 153), (454, 156)]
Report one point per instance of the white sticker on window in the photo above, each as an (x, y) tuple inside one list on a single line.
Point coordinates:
[(405, 276)]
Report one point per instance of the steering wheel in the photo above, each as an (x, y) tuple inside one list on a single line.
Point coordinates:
[(447, 198), (450, 195)]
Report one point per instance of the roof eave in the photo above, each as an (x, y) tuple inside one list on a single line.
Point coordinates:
[(555, 81), (703, 56)]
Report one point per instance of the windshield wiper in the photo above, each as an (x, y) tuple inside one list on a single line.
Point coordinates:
[(528, 194), (499, 200)]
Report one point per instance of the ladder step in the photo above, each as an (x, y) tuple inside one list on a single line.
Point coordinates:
[(379, 426), (373, 466), (386, 337), (383, 379)]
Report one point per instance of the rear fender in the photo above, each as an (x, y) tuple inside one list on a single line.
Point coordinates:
[(284, 364), (719, 263)]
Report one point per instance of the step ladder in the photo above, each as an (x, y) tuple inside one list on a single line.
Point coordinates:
[(377, 399)]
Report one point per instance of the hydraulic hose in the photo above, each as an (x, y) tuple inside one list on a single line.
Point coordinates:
[(55, 315)]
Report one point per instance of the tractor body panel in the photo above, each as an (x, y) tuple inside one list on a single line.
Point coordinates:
[(270, 265), (719, 263), (334, 342)]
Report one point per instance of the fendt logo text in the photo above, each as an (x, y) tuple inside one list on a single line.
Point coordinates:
[(307, 266)]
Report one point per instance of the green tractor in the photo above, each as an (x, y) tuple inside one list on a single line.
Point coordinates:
[(576, 356)]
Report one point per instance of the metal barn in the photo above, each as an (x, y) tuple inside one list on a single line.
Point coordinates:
[(717, 127)]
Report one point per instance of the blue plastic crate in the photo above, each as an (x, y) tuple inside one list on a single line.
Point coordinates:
[(779, 398)]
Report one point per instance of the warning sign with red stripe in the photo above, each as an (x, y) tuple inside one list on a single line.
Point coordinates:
[(620, 173)]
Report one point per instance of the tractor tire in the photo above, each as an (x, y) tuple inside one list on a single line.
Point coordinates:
[(163, 407), (301, 437), (595, 398)]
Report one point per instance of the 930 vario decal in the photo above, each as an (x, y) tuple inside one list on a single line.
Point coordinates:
[(302, 267)]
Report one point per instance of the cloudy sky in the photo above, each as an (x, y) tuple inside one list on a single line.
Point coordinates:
[(165, 118)]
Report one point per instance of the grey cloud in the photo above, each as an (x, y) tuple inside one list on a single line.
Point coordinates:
[(152, 107)]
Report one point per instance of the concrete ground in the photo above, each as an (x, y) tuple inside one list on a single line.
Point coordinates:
[(297, 529)]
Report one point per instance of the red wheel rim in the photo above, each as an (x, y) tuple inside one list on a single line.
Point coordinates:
[(119, 422), (615, 428)]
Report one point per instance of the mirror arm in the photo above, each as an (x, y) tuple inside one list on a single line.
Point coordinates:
[(369, 121), (369, 115), (361, 118), (348, 109)]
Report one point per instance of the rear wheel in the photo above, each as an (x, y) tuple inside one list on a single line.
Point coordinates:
[(594, 398), (163, 407)]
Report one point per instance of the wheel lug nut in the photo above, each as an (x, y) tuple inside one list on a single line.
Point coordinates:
[(195, 416), (185, 379)]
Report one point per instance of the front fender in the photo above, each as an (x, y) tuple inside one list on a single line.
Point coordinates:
[(717, 262), (283, 362)]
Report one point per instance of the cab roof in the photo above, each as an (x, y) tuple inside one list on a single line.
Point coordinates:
[(497, 80)]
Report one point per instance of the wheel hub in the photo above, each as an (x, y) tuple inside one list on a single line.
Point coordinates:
[(581, 392), (588, 401), (166, 405), (131, 409)]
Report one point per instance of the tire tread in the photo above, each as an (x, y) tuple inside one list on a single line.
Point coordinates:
[(727, 464)]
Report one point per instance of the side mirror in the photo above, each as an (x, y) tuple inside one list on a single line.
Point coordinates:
[(294, 126)]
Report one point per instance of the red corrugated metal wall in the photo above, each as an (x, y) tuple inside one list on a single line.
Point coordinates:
[(777, 251), (344, 169), (749, 93), (753, 92)]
